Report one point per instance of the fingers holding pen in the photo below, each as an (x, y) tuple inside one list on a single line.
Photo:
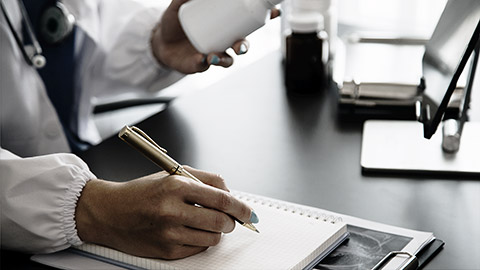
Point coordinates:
[(220, 201), (208, 220), (159, 215), (218, 206), (211, 179)]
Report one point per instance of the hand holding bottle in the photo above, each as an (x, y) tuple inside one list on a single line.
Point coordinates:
[(172, 47)]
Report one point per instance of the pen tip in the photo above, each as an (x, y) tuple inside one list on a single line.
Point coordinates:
[(251, 227)]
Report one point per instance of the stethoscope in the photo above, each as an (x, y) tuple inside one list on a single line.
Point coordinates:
[(56, 23)]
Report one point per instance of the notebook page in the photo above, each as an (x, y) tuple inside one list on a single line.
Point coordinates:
[(288, 239)]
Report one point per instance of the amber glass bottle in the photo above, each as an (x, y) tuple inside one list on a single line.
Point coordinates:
[(306, 55)]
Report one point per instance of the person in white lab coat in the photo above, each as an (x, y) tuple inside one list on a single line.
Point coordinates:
[(50, 200)]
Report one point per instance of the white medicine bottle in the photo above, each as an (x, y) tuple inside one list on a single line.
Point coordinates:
[(214, 25)]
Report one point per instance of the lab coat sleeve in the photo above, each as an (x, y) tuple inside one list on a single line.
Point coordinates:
[(38, 198)]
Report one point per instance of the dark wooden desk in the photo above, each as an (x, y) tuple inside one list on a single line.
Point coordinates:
[(295, 148)]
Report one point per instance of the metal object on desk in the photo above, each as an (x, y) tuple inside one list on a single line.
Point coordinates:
[(451, 136)]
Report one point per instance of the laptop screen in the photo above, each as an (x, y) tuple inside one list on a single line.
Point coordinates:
[(448, 53)]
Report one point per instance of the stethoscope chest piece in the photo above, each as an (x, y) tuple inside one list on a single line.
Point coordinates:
[(56, 23)]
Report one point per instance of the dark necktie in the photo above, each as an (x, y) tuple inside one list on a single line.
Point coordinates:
[(58, 73)]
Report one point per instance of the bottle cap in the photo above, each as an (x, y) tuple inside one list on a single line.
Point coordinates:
[(317, 5), (274, 2), (306, 22)]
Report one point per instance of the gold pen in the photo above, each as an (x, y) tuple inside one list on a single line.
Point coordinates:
[(139, 140)]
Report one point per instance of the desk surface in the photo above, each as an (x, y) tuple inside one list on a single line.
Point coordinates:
[(295, 148)]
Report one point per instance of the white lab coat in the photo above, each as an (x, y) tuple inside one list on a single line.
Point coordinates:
[(39, 181)]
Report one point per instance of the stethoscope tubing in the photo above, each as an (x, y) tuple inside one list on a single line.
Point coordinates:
[(37, 59)]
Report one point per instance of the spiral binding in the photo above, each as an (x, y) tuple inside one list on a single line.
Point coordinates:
[(284, 206)]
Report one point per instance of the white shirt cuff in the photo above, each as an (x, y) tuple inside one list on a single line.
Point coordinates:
[(70, 203)]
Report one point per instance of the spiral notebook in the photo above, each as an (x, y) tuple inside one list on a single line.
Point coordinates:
[(291, 237)]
